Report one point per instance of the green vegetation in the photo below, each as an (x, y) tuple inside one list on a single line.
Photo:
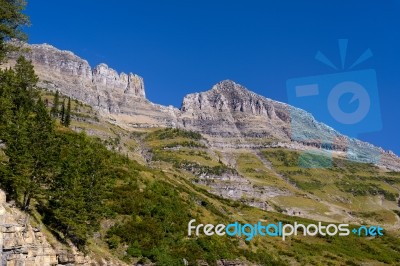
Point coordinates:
[(85, 191), (361, 187), (251, 166), (27, 130), (56, 103), (66, 115), (171, 133), (189, 144), (183, 150), (159, 228), (351, 185), (63, 113)]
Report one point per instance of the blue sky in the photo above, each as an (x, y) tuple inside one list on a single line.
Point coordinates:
[(181, 47)]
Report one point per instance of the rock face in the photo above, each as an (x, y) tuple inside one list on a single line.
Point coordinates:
[(112, 94), (239, 188), (19, 243), (101, 86), (230, 110), (229, 114)]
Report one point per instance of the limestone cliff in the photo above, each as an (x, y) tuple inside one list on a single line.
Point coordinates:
[(117, 96), (101, 86), (229, 114), (229, 109)]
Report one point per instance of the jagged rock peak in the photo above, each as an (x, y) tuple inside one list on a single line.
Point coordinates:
[(131, 84), (101, 86), (228, 95), (236, 91), (229, 86)]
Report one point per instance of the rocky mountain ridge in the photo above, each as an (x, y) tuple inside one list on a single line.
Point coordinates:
[(229, 114), (103, 86)]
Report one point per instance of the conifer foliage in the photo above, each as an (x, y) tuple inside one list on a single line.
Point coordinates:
[(62, 173), (11, 21), (56, 103)]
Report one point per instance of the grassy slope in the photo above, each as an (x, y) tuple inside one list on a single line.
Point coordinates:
[(251, 166), (362, 189)]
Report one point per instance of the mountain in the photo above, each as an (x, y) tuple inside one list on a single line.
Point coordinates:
[(228, 114), (125, 191)]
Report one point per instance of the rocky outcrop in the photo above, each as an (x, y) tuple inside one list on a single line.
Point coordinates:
[(236, 187), (20, 244)]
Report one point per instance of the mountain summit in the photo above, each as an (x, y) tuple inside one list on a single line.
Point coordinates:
[(229, 114)]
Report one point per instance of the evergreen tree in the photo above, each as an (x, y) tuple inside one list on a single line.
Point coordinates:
[(65, 169), (28, 133), (11, 21), (30, 153), (67, 119), (56, 103), (6, 99), (20, 162), (25, 85), (62, 114), (78, 190)]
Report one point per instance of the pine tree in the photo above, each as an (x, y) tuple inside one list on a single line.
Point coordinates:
[(41, 151), (25, 73), (6, 99), (56, 103), (28, 133), (77, 190), (25, 84), (11, 20), (67, 119), (62, 115)]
